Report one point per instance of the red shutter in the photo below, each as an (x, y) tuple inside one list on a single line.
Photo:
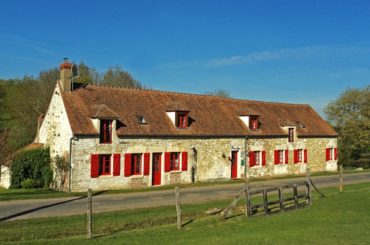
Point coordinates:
[(252, 159), (94, 171), (184, 161), (167, 161), (116, 164), (305, 156), (295, 156), (327, 154), (146, 163), (263, 158), (286, 156), (276, 157), (336, 153), (127, 171)]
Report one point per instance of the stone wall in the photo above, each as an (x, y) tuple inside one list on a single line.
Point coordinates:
[(208, 156)]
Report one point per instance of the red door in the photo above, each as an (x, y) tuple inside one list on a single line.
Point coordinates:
[(156, 165), (234, 164)]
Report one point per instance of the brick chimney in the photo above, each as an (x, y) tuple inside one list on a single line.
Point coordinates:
[(66, 76)]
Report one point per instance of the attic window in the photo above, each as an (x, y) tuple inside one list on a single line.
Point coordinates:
[(182, 119), (142, 120), (105, 131), (253, 122), (301, 124), (291, 134)]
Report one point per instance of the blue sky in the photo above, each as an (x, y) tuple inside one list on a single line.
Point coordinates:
[(288, 51)]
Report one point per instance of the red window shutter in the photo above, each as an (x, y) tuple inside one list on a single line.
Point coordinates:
[(263, 158), (276, 157), (286, 156), (252, 159), (336, 153), (146, 163), (94, 165), (184, 161), (116, 164), (305, 155), (127, 171), (295, 156), (327, 154), (167, 161)]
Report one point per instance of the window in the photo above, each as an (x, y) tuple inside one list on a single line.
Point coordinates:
[(257, 158), (136, 164), (175, 161), (253, 123), (106, 131), (291, 134), (331, 154), (281, 156), (182, 120), (104, 164), (300, 156)]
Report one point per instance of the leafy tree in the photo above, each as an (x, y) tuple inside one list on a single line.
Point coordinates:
[(350, 116), (116, 76), (220, 93), (87, 74)]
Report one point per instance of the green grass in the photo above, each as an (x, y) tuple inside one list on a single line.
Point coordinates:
[(339, 218), (19, 194)]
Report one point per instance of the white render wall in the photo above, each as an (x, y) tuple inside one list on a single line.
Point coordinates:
[(4, 176), (55, 130)]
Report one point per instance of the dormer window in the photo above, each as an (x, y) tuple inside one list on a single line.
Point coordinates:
[(105, 131), (182, 120), (253, 122), (142, 120), (291, 134)]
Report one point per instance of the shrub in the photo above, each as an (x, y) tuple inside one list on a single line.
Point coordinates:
[(33, 165)]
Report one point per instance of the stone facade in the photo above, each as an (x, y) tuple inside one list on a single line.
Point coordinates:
[(209, 157)]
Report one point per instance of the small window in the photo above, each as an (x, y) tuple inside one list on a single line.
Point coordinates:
[(142, 120), (291, 134), (136, 164), (300, 155), (105, 131), (104, 164), (331, 154), (182, 120), (175, 161), (253, 123), (257, 158)]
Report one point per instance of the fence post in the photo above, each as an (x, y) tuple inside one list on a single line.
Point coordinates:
[(281, 199), (265, 202), (308, 192), (89, 213), (295, 195), (178, 208), (341, 178), (246, 198)]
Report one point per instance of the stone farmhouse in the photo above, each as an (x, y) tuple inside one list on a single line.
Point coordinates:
[(129, 138)]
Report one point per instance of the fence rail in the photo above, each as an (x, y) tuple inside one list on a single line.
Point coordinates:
[(282, 201)]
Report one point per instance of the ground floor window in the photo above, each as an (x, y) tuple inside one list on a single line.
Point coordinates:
[(300, 156), (136, 164), (331, 154), (281, 156), (100, 165), (175, 161), (257, 158)]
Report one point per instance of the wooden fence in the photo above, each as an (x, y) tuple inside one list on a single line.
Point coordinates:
[(278, 199)]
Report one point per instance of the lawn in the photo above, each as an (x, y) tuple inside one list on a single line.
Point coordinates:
[(339, 218)]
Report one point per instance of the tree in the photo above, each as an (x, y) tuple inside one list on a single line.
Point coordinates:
[(87, 74), (116, 76), (220, 93), (350, 116)]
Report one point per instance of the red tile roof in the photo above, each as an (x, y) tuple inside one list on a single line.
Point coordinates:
[(210, 115)]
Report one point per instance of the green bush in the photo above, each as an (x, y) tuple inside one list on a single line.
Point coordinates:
[(33, 165), (27, 183)]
